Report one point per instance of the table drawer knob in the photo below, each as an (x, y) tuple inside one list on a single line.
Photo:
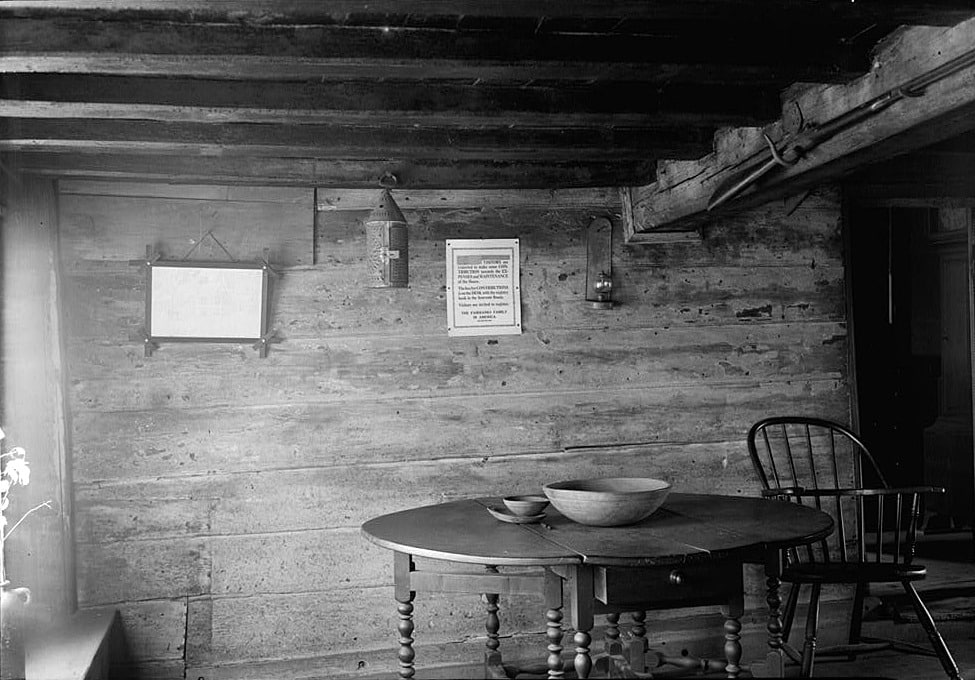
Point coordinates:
[(677, 577)]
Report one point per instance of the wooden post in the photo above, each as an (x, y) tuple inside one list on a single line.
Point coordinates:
[(40, 553), (970, 242)]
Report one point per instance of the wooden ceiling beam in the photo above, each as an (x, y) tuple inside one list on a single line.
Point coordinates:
[(311, 69), (724, 103), (745, 42), (344, 118), (680, 196), (474, 72), (900, 11), (337, 172), (330, 141)]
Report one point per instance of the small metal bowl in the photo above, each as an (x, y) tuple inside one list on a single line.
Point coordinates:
[(525, 506)]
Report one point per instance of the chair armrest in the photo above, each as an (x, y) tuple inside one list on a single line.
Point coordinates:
[(896, 491), (782, 492), (918, 489)]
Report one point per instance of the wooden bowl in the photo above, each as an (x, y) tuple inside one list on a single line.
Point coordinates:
[(608, 502), (524, 506)]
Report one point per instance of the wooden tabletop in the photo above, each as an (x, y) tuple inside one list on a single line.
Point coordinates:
[(688, 525)]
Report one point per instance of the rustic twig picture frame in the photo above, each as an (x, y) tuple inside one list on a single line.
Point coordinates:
[(191, 301)]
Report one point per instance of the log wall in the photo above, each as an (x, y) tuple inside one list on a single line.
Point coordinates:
[(218, 495)]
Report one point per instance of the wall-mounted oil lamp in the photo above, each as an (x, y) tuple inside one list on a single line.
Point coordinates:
[(599, 263), (603, 290), (387, 240)]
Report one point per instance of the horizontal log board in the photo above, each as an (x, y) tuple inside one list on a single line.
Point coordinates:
[(119, 228), (137, 444), (154, 629), (177, 192), (350, 199), (129, 572), (267, 565), (764, 236), (702, 636), (320, 303), (440, 619), (325, 623), (183, 376), (346, 496), (144, 620), (218, 495)]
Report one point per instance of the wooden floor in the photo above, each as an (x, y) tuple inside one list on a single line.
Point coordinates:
[(949, 592)]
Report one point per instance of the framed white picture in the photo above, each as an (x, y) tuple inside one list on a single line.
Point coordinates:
[(206, 302)]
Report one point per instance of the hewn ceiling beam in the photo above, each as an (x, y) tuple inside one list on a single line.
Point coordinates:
[(945, 108), (697, 104), (472, 71), (943, 13), (337, 172), (500, 141), (393, 119), (743, 43)]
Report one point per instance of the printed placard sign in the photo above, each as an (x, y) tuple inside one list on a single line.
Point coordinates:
[(483, 291)]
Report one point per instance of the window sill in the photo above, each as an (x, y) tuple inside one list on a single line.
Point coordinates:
[(86, 647)]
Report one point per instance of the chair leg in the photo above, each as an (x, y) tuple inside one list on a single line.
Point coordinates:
[(856, 616), (789, 613), (812, 624), (924, 616)]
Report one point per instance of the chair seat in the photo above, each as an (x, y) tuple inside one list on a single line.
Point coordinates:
[(853, 572)]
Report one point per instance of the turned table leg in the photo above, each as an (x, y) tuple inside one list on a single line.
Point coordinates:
[(492, 624), (775, 662), (583, 660), (553, 624), (611, 641), (638, 642), (402, 566), (406, 654), (732, 636)]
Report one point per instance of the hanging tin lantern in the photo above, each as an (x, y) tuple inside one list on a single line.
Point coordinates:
[(388, 242)]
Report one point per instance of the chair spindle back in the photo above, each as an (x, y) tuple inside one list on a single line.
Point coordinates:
[(815, 461)]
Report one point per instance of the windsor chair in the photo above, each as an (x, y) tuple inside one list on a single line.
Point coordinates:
[(812, 461)]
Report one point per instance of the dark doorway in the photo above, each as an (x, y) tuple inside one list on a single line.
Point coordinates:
[(910, 314)]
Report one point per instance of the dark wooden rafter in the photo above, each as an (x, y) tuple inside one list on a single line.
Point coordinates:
[(681, 44), (357, 173), (551, 104), (421, 11), (330, 140), (514, 91)]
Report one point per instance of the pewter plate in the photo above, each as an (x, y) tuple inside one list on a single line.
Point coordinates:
[(515, 519)]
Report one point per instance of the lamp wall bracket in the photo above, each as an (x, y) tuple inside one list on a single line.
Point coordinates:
[(599, 263)]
